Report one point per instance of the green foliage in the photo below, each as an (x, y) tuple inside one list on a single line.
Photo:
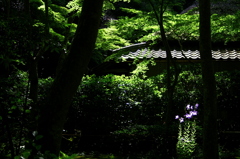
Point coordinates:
[(142, 67), (124, 101), (183, 27), (110, 105), (131, 105), (43, 87), (142, 26), (65, 156), (15, 108), (110, 39), (74, 6), (225, 154), (225, 27), (90, 156), (126, 109), (108, 5), (15, 114), (13, 33), (186, 139), (61, 30), (120, 0), (24, 154), (189, 87), (136, 27)]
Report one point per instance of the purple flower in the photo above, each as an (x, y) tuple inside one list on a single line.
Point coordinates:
[(188, 116), (181, 120), (193, 113), (196, 106)]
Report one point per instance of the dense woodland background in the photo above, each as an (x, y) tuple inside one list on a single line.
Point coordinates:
[(52, 101)]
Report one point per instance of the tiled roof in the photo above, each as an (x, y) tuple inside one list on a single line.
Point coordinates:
[(161, 54)]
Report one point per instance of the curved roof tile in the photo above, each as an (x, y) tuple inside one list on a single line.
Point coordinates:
[(161, 54)]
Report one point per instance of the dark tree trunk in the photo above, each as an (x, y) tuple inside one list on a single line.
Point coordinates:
[(46, 18), (210, 143), (7, 125), (65, 49), (53, 113), (169, 136), (33, 78)]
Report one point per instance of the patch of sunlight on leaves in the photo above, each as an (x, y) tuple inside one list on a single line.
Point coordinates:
[(59, 36), (74, 5), (120, 0), (142, 67), (109, 38), (132, 11), (83, 156), (38, 24), (65, 156), (60, 9)]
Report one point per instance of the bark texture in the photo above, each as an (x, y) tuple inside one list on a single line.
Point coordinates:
[(169, 136), (53, 113), (210, 143)]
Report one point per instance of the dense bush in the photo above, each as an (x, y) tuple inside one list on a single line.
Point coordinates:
[(126, 112), (104, 105), (126, 109), (14, 112), (119, 114), (228, 91)]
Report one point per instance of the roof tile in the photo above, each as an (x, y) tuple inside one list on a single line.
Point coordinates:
[(161, 54)]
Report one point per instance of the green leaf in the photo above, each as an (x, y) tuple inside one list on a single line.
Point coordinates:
[(38, 137), (36, 146), (27, 111), (13, 107), (17, 157)]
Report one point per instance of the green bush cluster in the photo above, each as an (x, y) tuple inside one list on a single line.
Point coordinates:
[(104, 106), (14, 111), (118, 114), (128, 108)]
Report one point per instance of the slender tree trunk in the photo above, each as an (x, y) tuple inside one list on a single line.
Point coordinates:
[(210, 143), (33, 78), (5, 122), (8, 8), (46, 17), (169, 136), (170, 139), (53, 113), (65, 49), (33, 61)]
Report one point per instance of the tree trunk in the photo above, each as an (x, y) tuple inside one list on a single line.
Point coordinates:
[(169, 136), (53, 113), (33, 78), (46, 17), (170, 139), (210, 143)]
